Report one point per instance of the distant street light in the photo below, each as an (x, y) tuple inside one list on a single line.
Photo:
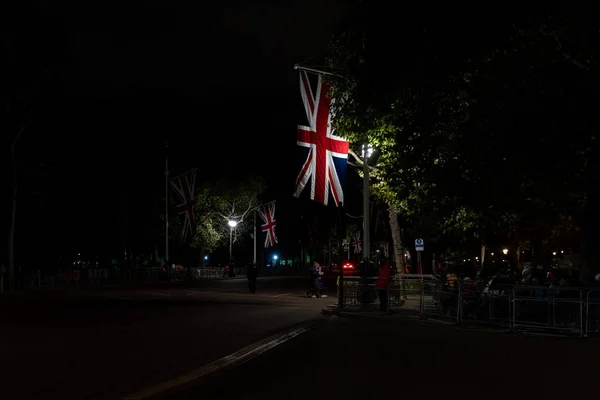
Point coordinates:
[(232, 224), (505, 251), (206, 257)]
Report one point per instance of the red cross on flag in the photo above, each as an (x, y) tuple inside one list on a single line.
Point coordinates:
[(267, 213), (324, 164)]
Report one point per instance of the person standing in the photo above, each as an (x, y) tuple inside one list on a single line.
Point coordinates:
[(315, 290), (252, 275)]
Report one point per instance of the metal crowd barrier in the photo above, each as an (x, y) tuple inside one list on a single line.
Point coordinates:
[(108, 276), (531, 309), (217, 272)]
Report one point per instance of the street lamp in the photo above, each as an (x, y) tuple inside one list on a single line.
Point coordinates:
[(232, 224), (505, 251), (366, 149)]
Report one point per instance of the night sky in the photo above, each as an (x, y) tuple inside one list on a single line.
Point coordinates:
[(216, 81)]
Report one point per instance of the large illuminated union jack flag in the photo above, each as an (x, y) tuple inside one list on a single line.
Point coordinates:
[(324, 154)]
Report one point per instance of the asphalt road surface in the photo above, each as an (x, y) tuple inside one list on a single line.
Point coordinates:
[(105, 343), (359, 358)]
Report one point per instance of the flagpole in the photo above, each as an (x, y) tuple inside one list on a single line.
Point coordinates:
[(255, 237), (166, 205), (341, 229)]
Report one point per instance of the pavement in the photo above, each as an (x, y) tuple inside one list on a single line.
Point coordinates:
[(211, 339), (349, 358), (105, 343)]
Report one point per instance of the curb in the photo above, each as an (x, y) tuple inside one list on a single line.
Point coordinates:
[(334, 311), (394, 316)]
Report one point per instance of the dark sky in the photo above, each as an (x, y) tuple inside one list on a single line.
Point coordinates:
[(216, 80)]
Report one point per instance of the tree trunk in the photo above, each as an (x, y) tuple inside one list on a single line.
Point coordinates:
[(398, 249), (482, 253)]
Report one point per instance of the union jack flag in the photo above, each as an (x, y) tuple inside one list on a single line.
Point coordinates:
[(184, 187), (386, 249), (267, 213), (325, 163), (356, 242)]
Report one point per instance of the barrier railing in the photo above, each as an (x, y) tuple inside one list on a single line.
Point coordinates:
[(534, 309), (592, 312), (113, 276)]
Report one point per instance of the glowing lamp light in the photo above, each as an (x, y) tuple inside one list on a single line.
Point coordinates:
[(275, 257), (366, 151), (505, 251), (206, 257), (232, 224)]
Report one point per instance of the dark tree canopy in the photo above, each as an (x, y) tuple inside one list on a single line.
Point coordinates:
[(481, 125)]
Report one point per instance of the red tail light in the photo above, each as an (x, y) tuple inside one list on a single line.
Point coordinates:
[(348, 266)]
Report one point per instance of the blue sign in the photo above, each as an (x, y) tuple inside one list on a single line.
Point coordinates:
[(419, 245)]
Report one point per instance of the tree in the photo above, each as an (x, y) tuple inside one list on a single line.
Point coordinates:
[(221, 201), (464, 132)]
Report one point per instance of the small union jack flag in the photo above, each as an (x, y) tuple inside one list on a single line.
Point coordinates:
[(325, 164), (356, 242), (267, 213), (184, 187)]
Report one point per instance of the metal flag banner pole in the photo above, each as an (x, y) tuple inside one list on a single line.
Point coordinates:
[(166, 204), (316, 71), (341, 233)]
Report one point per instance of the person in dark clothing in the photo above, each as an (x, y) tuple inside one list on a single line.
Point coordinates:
[(383, 280), (252, 275), (315, 282)]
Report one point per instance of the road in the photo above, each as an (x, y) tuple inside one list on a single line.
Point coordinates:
[(104, 343), (354, 358)]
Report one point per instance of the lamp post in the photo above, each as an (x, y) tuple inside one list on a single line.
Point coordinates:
[(365, 296), (367, 151), (232, 224)]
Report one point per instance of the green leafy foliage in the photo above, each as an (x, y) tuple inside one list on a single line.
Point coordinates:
[(220, 201)]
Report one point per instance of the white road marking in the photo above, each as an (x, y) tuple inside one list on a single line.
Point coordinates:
[(281, 295), (244, 355)]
